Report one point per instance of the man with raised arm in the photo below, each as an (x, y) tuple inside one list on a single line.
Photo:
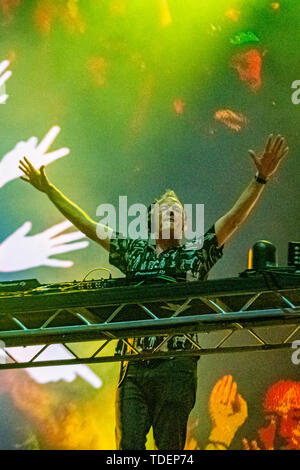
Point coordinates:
[(161, 393)]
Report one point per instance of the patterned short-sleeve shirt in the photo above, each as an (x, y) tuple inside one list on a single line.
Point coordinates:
[(195, 258)]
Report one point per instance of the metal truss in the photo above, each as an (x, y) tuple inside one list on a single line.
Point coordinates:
[(171, 312)]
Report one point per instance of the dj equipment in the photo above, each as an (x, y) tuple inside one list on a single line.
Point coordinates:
[(262, 257), (13, 286), (294, 254)]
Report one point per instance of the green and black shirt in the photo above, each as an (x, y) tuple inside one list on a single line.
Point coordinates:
[(195, 258)]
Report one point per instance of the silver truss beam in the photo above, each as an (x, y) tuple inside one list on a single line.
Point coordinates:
[(145, 356), (159, 326), (113, 328)]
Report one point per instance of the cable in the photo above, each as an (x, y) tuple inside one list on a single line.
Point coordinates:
[(96, 269), (162, 276)]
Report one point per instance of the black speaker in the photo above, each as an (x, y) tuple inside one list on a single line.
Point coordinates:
[(262, 256)]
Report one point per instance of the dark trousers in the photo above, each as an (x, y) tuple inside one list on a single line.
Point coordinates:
[(157, 393)]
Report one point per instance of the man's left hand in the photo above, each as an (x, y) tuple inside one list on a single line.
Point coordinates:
[(268, 161)]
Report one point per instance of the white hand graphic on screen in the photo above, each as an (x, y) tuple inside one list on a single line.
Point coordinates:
[(4, 76), (36, 153), (20, 251)]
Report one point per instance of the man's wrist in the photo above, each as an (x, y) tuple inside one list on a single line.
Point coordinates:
[(260, 178), (49, 189)]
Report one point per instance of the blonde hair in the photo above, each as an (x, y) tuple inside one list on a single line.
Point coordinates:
[(169, 193)]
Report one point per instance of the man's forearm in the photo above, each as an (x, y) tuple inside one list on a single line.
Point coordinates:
[(72, 212), (232, 220), (246, 202)]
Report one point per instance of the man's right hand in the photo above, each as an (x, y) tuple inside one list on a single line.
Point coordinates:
[(95, 231), (37, 178)]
